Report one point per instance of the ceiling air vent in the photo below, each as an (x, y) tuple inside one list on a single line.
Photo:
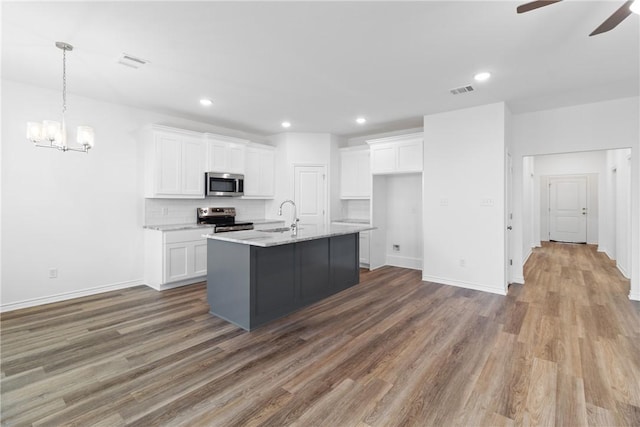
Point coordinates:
[(462, 89), (131, 61)]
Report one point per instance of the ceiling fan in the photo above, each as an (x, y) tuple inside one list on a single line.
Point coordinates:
[(609, 24)]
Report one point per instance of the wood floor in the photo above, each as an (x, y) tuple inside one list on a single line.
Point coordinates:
[(393, 351)]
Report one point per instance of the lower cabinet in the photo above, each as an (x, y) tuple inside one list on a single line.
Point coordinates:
[(250, 285), (364, 248), (175, 258)]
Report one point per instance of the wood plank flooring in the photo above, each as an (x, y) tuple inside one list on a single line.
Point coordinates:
[(393, 351)]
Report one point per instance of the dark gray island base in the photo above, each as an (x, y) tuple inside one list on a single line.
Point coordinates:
[(250, 285)]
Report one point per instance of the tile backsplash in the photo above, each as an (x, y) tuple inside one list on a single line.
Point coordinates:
[(183, 211), (356, 209)]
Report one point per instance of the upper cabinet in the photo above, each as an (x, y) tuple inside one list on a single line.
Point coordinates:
[(355, 173), (259, 177), (225, 154), (396, 154), (174, 166)]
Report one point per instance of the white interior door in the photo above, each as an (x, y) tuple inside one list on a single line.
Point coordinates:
[(309, 194), (568, 209)]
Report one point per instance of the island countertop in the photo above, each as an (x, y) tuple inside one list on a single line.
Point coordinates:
[(305, 232)]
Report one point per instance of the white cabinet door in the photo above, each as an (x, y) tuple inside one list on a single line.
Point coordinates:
[(225, 156), (364, 174), (383, 159), (176, 261), (355, 174), (216, 156), (199, 262), (259, 177), (409, 156), (168, 164), (348, 174), (397, 154), (192, 168), (236, 158), (364, 248), (173, 165)]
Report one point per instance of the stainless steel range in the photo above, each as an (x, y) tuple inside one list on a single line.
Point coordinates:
[(223, 219)]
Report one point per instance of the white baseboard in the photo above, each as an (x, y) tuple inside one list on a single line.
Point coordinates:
[(623, 271), (68, 295), (404, 262), (467, 285), (519, 280), (605, 251), (635, 296), (178, 284), (526, 257)]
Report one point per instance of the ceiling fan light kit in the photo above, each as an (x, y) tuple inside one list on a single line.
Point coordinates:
[(609, 24), (53, 134)]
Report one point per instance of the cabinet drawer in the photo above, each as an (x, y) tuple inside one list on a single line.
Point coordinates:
[(186, 235)]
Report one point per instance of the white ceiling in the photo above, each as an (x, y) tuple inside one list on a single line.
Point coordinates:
[(322, 64)]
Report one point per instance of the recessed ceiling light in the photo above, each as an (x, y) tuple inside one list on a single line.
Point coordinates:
[(480, 77), (206, 102), (286, 124), (361, 120)]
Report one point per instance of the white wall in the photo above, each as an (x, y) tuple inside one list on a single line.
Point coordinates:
[(305, 149), (598, 126), (79, 213), (404, 220), (464, 198), (529, 235), (620, 203)]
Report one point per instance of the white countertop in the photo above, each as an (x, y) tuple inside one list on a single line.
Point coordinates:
[(193, 226), (351, 221), (305, 232)]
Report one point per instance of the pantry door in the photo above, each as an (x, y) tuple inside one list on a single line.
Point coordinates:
[(310, 183), (568, 209)]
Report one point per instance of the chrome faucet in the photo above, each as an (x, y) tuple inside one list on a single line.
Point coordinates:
[(294, 219)]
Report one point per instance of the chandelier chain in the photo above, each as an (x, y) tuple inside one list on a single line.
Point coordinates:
[(64, 80)]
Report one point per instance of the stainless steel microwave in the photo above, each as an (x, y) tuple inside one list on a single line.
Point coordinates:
[(223, 184)]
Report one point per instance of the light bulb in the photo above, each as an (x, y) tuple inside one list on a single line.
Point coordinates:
[(34, 131), (482, 76), (86, 136), (286, 124), (50, 129), (635, 7)]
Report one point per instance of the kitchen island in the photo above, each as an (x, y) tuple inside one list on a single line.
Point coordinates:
[(254, 277)]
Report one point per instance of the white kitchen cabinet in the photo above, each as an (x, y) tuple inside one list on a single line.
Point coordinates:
[(225, 154), (364, 248), (397, 154), (173, 163), (259, 176), (355, 173), (175, 258)]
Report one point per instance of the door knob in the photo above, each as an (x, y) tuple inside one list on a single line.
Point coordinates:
[(509, 228)]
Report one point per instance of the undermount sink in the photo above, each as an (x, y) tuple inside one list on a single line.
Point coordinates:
[(275, 230)]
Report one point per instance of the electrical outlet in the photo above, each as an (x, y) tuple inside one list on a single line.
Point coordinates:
[(53, 273), (463, 263), (396, 248)]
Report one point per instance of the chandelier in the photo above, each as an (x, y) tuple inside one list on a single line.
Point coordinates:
[(53, 134)]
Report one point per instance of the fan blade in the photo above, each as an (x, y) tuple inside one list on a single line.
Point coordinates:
[(535, 5), (613, 21)]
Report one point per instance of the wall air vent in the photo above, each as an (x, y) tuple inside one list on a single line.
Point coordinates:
[(462, 89), (131, 61)]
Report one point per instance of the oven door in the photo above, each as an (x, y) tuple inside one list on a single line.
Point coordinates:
[(224, 184)]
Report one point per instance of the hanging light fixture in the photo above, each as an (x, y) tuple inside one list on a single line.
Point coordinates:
[(53, 134)]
